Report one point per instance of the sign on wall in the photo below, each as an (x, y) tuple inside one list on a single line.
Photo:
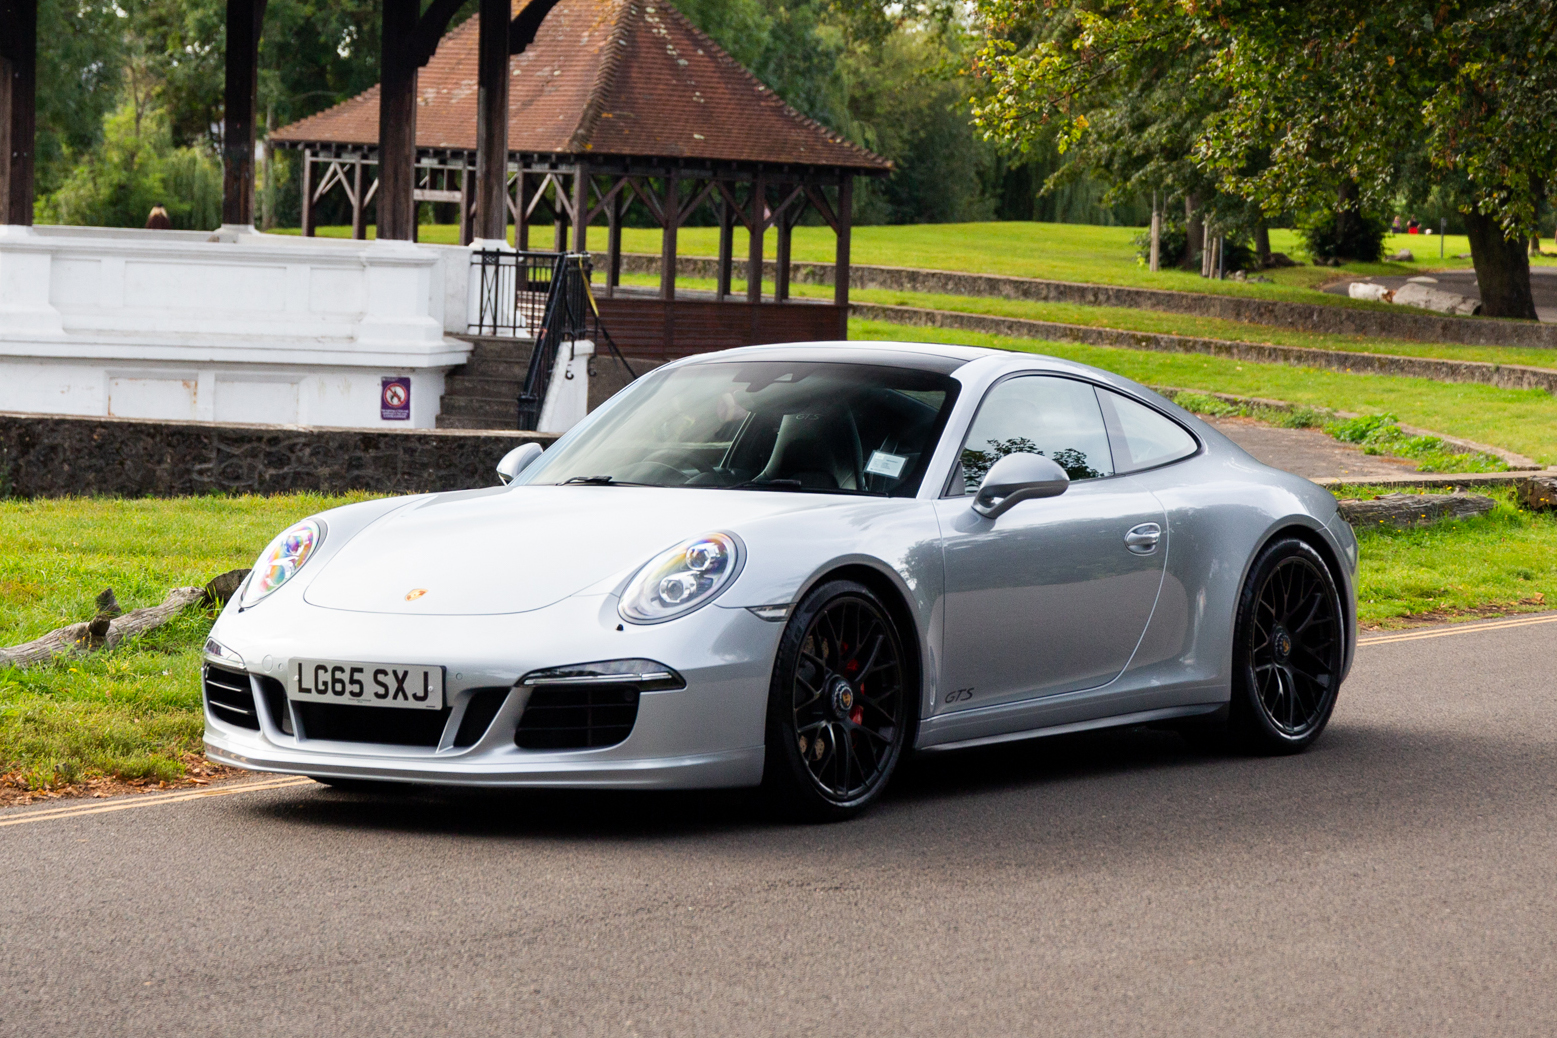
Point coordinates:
[(394, 402)]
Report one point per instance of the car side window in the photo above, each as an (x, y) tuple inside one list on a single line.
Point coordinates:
[(1143, 438), (1036, 414)]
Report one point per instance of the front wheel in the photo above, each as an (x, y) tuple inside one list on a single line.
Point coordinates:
[(839, 705), (1288, 650)]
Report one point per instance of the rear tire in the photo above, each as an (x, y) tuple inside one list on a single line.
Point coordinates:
[(1288, 649), (840, 706)]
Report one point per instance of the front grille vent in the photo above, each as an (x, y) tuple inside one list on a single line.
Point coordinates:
[(275, 694), (577, 717), (479, 712), (229, 697), (391, 726)]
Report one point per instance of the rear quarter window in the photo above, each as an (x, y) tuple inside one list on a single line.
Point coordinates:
[(1141, 437)]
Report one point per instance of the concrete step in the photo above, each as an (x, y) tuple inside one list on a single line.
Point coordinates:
[(510, 370), (499, 409), (452, 421), (465, 384)]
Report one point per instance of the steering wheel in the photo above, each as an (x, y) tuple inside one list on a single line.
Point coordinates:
[(678, 455)]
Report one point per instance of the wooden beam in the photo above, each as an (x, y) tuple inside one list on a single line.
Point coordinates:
[(523, 203), (758, 225), (359, 204), (614, 240), (522, 30), (492, 120), (784, 222), (668, 240), (397, 121), (244, 19), (581, 208), (845, 216), (726, 243), (308, 193), (18, 108), (430, 28)]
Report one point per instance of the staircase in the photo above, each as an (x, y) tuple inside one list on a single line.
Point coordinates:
[(483, 392)]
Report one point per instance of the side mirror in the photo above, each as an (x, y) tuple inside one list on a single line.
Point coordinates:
[(1015, 478), (517, 460)]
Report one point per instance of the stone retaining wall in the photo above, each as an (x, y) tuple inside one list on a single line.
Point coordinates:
[(1504, 376), (1312, 317), (57, 456)]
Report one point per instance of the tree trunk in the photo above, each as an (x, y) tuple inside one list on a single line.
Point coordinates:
[(1535, 244), (1194, 231), (1262, 244), (1502, 269)]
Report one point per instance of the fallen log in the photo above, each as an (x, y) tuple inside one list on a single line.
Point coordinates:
[(107, 629), (1414, 509)]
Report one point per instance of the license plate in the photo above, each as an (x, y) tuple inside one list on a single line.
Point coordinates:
[(406, 686)]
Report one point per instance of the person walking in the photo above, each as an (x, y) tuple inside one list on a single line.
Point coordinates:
[(158, 220)]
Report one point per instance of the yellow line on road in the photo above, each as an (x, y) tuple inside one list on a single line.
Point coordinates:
[(1442, 632), (154, 801)]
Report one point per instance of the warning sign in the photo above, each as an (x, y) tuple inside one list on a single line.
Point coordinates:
[(395, 399)]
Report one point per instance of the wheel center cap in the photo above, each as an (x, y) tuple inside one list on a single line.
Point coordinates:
[(1281, 644), (842, 697)]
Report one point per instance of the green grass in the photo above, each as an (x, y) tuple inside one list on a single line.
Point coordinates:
[(1519, 420), (135, 710), (1064, 252), (1504, 561)]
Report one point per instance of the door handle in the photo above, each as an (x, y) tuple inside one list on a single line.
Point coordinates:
[(1143, 539)]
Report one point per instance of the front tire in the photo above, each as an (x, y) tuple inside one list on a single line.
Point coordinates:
[(1288, 650), (839, 705)]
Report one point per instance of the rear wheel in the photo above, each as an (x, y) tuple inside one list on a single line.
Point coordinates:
[(1288, 650), (839, 705)]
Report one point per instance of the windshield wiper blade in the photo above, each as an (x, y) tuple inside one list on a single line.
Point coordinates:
[(594, 481), (773, 484)]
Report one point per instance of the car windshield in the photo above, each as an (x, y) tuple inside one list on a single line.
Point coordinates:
[(764, 425)]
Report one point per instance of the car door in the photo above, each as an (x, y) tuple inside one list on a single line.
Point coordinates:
[(1053, 595)]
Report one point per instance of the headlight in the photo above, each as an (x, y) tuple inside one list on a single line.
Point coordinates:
[(680, 580), (281, 560)]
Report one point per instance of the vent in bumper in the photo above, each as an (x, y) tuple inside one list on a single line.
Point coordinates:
[(275, 695), (229, 697), (483, 706), (577, 717), (393, 727)]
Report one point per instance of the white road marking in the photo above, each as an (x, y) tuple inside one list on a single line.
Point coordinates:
[(154, 801)]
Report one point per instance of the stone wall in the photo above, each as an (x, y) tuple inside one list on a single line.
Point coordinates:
[(1382, 322), (56, 456)]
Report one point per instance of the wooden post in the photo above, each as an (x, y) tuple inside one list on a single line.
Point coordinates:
[(244, 18), (1156, 254), (359, 205), (397, 121), (758, 206), (581, 207), (845, 225), (614, 243), (559, 215), (18, 108), (467, 194), (784, 225), (726, 246), (308, 193), (670, 203), (492, 121)]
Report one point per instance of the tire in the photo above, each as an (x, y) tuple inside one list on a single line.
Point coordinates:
[(840, 706), (1288, 649)]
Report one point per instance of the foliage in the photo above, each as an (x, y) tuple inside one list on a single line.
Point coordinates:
[(1381, 434), (1172, 239), (1329, 234), (134, 168), (1281, 417)]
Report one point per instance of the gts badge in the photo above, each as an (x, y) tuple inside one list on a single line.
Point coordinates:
[(960, 695)]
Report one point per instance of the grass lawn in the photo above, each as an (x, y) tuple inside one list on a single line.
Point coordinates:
[(1064, 252), (133, 711), (1150, 321), (1502, 562), (1522, 420)]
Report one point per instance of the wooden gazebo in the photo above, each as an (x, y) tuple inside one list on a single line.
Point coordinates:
[(611, 104)]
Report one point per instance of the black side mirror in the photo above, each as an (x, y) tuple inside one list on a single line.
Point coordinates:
[(1016, 478)]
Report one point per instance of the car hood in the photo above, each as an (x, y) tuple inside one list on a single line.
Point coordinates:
[(515, 550)]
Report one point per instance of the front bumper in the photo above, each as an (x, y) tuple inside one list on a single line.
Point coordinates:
[(708, 734)]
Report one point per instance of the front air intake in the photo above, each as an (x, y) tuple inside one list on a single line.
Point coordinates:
[(577, 717), (229, 697)]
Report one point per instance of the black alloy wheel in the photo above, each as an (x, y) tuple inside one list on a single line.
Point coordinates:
[(838, 707), (1288, 649)]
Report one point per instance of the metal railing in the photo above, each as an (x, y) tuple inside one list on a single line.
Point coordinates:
[(511, 291)]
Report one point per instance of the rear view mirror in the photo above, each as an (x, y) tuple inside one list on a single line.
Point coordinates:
[(1016, 478), (516, 461)]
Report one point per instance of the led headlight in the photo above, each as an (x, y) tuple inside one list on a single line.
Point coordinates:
[(680, 580), (281, 560)]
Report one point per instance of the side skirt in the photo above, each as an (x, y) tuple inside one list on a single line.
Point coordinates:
[(1116, 721)]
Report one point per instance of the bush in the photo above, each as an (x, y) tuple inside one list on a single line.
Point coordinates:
[(1171, 242), (1359, 237), (1380, 434)]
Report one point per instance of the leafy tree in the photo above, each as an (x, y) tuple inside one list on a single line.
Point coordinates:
[(80, 54)]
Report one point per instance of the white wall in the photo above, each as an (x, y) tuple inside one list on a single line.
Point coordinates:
[(232, 326)]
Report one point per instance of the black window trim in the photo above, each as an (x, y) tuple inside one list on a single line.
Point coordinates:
[(1115, 436)]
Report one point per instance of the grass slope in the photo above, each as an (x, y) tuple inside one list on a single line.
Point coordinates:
[(1518, 420), (133, 711)]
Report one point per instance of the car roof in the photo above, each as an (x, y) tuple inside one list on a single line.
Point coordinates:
[(934, 356)]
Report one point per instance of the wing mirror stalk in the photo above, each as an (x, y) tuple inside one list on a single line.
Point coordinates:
[(517, 460), (1016, 478)]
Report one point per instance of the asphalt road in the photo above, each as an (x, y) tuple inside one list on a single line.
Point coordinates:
[(1401, 878)]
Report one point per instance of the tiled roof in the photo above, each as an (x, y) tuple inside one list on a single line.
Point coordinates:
[(628, 78)]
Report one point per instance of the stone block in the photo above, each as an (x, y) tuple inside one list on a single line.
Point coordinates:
[(1537, 493)]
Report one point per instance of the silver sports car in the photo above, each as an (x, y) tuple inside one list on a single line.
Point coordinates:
[(787, 566)]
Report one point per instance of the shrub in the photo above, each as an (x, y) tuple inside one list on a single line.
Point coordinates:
[(1359, 237), (1171, 242)]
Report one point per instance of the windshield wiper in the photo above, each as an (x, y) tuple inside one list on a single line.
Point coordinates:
[(768, 484), (601, 481)]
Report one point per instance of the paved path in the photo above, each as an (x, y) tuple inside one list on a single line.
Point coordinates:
[(1543, 283), (1309, 452), (1399, 879)]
